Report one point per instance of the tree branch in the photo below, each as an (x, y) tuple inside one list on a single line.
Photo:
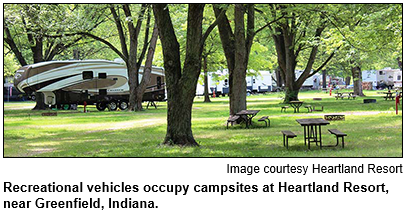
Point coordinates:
[(87, 34), (120, 30), (212, 26)]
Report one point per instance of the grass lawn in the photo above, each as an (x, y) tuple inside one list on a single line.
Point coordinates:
[(373, 130)]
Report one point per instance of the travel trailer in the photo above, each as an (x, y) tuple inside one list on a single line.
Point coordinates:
[(383, 78), (219, 83), (77, 82)]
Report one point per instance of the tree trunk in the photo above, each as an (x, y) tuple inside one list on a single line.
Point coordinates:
[(291, 95), (181, 85), (356, 75), (132, 71), (347, 81), (278, 75), (206, 81), (179, 119), (228, 43), (146, 78), (39, 99), (237, 48), (324, 74)]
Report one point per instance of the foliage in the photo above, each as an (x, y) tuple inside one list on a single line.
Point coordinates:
[(9, 65)]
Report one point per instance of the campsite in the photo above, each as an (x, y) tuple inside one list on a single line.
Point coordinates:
[(203, 80), (374, 130)]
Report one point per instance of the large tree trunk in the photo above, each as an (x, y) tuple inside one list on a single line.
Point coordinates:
[(181, 85), (179, 119), (206, 81), (237, 48), (357, 78), (239, 97), (40, 105)]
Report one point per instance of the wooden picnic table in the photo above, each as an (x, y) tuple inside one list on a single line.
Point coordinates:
[(247, 116), (389, 95), (296, 105), (345, 94), (312, 130)]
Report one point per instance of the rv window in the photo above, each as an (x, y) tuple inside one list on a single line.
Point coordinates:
[(399, 77), (87, 74), (381, 73), (158, 82), (103, 92), (102, 75)]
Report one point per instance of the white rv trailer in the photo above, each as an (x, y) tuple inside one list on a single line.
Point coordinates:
[(99, 82), (260, 83), (383, 78), (220, 83)]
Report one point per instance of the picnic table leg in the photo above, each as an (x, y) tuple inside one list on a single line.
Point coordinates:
[(320, 136), (308, 137), (304, 134)]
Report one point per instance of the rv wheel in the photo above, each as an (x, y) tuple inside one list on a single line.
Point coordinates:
[(123, 105), (101, 106), (112, 106)]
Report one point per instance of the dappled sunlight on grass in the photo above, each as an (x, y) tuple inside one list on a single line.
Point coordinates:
[(373, 131)]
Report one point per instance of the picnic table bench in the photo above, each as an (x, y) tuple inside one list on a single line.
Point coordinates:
[(266, 120), (283, 108), (286, 135), (232, 120), (389, 95), (338, 134)]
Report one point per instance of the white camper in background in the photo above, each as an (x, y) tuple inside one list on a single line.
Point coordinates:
[(261, 83), (311, 82), (370, 76), (99, 82), (383, 78), (397, 79)]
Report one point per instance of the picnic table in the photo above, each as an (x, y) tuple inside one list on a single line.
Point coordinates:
[(247, 116), (296, 105), (389, 95), (312, 130), (342, 95)]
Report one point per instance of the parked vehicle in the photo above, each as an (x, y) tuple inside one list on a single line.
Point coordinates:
[(10, 94), (100, 82)]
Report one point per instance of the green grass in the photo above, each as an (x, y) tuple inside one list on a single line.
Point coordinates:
[(124, 134)]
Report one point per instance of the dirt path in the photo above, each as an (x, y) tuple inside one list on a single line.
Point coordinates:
[(355, 113)]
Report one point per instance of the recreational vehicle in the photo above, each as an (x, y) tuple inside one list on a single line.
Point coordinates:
[(383, 78), (218, 83), (100, 82)]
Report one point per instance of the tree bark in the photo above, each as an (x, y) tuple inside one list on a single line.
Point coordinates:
[(146, 78), (347, 81), (239, 97), (206, 81), (228, 42), (357, 78), (39, 99), (237, 48), (181, 86)]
